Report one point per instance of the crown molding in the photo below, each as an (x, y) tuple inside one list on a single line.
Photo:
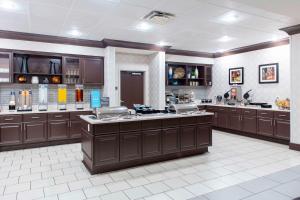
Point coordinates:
[(292, 30), (134, 45), (254, 47), (49, 39), (189, 53)]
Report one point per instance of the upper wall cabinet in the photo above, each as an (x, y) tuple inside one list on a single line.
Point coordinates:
[(186, 74), (92, 70), (5, 67)]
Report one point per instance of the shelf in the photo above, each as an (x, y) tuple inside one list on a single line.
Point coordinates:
[(195, 79), (36, 74)]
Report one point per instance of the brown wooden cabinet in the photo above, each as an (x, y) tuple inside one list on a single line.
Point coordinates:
[(58, 130), (92, 70), (249, 124), (130, 146), (204, 136), (152, 143), (265, 126), (188, 138), (170, 140), (282, 129), (106, 149), (35, 131), (222, 119), (10, 134), (75, 129)]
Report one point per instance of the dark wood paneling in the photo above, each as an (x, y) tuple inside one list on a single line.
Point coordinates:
[(294, 146), (282, 115), (75, 116), (11, 119), (171, 140), (10, 134), (188, 138), (58, 130), (34, 117), (170, 122), (151, 124), (92, 71), (291, 30), (235, 121), (130, 146), (130, 126), (265, 126), (58, 116), (106, 128), (249, 112), (249, 123), (35, 131), (152, 143), (265, 113), (204, 136), (75, 129), (106, 149), (282, 129)]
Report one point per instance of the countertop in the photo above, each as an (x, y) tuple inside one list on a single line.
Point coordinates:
[(51, 109), (142, 118), (245, 107)]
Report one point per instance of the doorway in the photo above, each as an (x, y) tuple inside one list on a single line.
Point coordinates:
[(132, 88)]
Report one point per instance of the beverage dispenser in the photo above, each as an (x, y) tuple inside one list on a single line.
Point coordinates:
[(79, 97), (43, 97), (62, 97), (95, 100), (25, 100)]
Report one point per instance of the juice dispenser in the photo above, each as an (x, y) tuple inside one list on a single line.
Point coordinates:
[(43, 97), (62, 97), (79, 96), (25, 100)]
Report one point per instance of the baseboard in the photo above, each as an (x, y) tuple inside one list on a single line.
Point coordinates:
[(295, 147)]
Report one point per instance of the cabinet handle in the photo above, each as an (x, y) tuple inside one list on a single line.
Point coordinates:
[(282, 115), (246, 111), (58, 116), (35, 117), (271, 122), (8, 119), (264, 113)]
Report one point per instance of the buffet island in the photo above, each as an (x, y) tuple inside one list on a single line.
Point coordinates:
[(117, 143)]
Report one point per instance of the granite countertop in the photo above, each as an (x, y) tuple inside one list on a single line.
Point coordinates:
[(142, 118), (51, 109), (239, 106)]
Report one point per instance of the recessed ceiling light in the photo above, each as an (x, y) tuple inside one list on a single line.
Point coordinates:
[(162, 43), (225, 38), (230, 17), (143, 26), (75, 33), (9, 5)]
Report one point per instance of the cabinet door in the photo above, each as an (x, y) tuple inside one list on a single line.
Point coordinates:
[(171, 143), (282, 129), (222, 120), (10, 134), (35, 132), (130, 146), (75, 129), (235, 122), (204, 136), (58, 130), (265, 126), (188, 138), (152, 143), (5, 67), (215, 119), (92, 70), (106, 149), (249, 124)]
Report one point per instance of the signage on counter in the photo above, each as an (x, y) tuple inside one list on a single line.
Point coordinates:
[(95, 99)]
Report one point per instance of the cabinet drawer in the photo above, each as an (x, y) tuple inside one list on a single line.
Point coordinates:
[(74, 116), (151, 124), (35, 117), (205, 119), (249, 112), (282, 115), (100, 129), (172, 122), (222, 109), (211, 108), (188, 120), (234, 110), (58, 116), (130, 126), (265, 113), (11, 119)]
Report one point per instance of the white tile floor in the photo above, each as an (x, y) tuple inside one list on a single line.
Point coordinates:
[(57, 172)]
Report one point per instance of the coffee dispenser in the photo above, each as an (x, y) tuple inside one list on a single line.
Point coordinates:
[(62, 97), (79, 97), (43, 97), (25, 100)]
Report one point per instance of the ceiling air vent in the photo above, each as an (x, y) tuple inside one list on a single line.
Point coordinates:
[(159, 17)]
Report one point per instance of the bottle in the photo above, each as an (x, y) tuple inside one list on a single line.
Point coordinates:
[(12, 101), (196, 73), (170, 73)]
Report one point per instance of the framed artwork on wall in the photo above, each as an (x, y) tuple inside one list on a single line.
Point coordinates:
[(268, 73), (236, 76)]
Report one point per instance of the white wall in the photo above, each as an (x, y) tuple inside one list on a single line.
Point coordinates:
[(134, 62), (49, 47), (250, 61), (295, 85)]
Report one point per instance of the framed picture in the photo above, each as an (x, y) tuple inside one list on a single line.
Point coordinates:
[(236, 75), (268, 73)]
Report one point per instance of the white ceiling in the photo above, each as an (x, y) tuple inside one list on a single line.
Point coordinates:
[(197, 26)]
